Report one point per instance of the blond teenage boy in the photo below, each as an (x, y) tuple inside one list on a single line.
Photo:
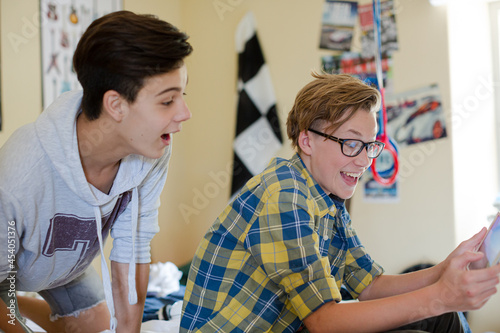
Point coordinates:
[(277, 256)]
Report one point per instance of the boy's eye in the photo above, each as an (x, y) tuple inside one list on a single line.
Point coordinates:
[(172, 99)]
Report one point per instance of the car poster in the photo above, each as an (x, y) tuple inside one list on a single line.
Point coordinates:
[(62, 24), (412, 117), (339, 19), (363, 68), (388, 30), (416, 116)]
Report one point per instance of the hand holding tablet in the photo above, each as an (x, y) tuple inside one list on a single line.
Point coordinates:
[(490, 244)]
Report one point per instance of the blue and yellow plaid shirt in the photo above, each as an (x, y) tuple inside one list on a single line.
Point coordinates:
[(277, 253)]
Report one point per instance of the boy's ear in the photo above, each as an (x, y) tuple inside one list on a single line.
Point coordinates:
[(114, 104), (305, 142)]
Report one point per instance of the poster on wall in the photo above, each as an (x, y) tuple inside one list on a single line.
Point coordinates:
[(388, 30), (375, 192), (62, 24), (363, 68), (416, 116), (337, 24)]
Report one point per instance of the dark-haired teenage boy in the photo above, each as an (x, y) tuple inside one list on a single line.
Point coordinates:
[(94, 162)]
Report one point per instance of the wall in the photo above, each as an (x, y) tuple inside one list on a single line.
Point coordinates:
[(21, 74), (431, 217), (473, 121), (424, 214), (473, 115)]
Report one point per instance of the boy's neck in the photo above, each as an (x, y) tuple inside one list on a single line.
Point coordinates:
[(98, 151)]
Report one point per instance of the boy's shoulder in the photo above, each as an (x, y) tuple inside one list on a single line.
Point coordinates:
[(22, 163), (20, 151), (282, 174)]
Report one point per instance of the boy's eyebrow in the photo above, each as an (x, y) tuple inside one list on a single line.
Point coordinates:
[(172, 88), (359, 134), (355, 132), (168, 89)]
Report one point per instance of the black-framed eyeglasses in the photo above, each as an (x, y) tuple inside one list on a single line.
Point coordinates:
[(353, 147)]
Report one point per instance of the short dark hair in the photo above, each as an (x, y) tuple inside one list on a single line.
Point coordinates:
[(120, 50)]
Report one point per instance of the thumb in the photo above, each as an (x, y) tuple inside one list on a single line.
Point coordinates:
[(467, 257), (472, 244), (477, 238)]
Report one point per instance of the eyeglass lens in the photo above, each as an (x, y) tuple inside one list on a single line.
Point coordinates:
[(354, 147)]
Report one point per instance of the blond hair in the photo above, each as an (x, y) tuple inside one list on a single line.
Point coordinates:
[(329, 98)]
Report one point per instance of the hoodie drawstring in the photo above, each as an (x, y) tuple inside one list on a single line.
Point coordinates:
[(108, 292), (132, 292)]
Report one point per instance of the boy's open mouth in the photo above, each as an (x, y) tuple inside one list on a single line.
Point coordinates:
[(165, 138), (350, 177)]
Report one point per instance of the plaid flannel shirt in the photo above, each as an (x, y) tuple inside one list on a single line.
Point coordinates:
[(277, 253)]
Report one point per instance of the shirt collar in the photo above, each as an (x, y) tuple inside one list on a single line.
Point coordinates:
[(326, 203)]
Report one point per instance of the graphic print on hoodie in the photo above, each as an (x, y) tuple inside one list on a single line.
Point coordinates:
[(73, 233)]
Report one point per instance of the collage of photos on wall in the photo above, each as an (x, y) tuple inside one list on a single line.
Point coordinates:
[(62, 24), (413, 116)]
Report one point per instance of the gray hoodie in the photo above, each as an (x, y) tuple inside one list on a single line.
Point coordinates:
[(56, 213)]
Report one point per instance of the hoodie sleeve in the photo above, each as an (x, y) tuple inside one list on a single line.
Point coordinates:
[(147, 225), (9, 235)]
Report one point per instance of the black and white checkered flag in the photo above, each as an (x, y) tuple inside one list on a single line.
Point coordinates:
[(258, 134)]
